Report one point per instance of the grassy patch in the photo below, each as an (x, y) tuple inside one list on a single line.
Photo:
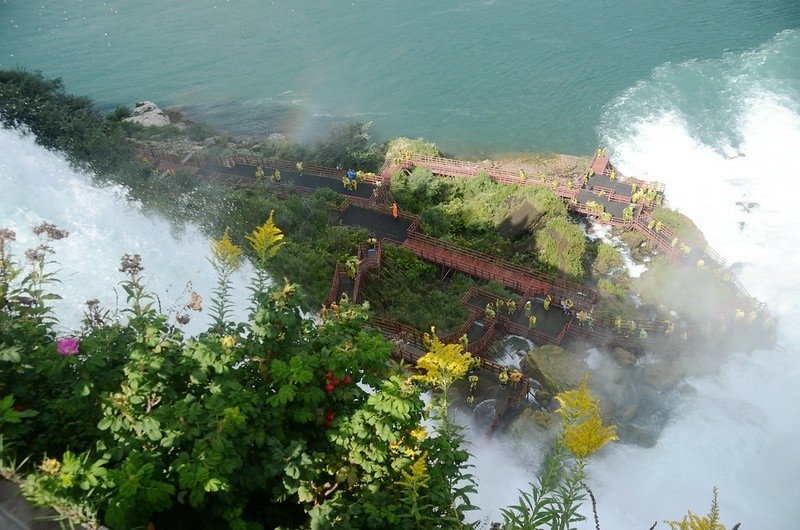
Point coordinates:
[(683, 227)]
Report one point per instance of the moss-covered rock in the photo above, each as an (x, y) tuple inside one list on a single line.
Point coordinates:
[(662, 376), (623, 356), (531, 421), (554, 367)]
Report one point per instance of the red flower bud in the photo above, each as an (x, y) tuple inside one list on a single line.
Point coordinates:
[(329, 375), (346, 380), (329, 388)]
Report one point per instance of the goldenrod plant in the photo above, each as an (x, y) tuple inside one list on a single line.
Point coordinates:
[(555, 501), (692, 521), (226, 259), (265, 241)]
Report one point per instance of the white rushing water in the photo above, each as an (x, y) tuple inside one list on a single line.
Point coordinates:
[(740, 431), (734, 177), (723, 136), (39, 185)]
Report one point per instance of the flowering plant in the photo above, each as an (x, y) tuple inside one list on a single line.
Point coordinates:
[(67, 346)]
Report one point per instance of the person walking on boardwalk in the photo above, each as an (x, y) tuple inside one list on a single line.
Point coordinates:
[(395, 210)]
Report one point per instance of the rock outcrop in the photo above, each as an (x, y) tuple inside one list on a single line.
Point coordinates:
[(623, 356), (554, 367), (148, 114)]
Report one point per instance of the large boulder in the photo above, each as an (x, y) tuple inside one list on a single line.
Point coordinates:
[(532, 423), (662, 376), (148, 114), (623, 356), (554, 367)]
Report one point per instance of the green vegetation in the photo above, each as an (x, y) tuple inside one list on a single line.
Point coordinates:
[(607, 260), (522, 224), (690, 291), (61, 121), (562, 245), (399, 149), (260, 424), (683, 227), (409, 291)]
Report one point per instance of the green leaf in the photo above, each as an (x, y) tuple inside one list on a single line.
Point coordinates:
[(10, 354)]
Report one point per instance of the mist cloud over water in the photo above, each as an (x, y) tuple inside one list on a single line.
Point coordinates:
[(739, 432), (723, 136), (39, 185)]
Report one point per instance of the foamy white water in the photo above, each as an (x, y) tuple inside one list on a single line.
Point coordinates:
[(740, 431), (39, 185), (735, 178)]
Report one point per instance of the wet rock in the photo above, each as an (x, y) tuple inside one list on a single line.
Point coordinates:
[(554, 367), (211, 140), (148, 114), (637, 435), (662, 376), (623, 356), (626, 412), (531, 421)]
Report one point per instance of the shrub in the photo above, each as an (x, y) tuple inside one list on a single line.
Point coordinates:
[(420, 190), (400, 148), (347, 145), (61, 121), (608, 258), (246, 425), (683, 227), (562, 245)]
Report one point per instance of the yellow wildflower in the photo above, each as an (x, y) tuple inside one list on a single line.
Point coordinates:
[(588, 436), (444, 363), (228, 342), (577, 403), (418, 475), (419, 433), (584, 433), (225, 254), (266, 239), (692, 521), (51, 466)]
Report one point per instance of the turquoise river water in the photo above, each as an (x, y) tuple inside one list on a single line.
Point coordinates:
[(702, 95)]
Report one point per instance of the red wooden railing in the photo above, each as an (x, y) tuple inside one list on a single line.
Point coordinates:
[(664, 239), (488, 267)]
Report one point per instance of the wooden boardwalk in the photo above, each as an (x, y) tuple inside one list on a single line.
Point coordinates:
[(367, 207), (603, 194)]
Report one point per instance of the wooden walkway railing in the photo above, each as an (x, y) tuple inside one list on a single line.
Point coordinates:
[(664, 238), (488, 267)]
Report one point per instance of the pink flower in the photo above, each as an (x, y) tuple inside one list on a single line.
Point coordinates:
[(68, 346)]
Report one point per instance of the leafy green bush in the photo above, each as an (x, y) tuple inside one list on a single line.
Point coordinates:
[(562, 245), (400, 148), (120, 113), (607, 259), (267, 425), (683, 227), (347, 145), (61, 121), (435, 221), (419, 190)]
